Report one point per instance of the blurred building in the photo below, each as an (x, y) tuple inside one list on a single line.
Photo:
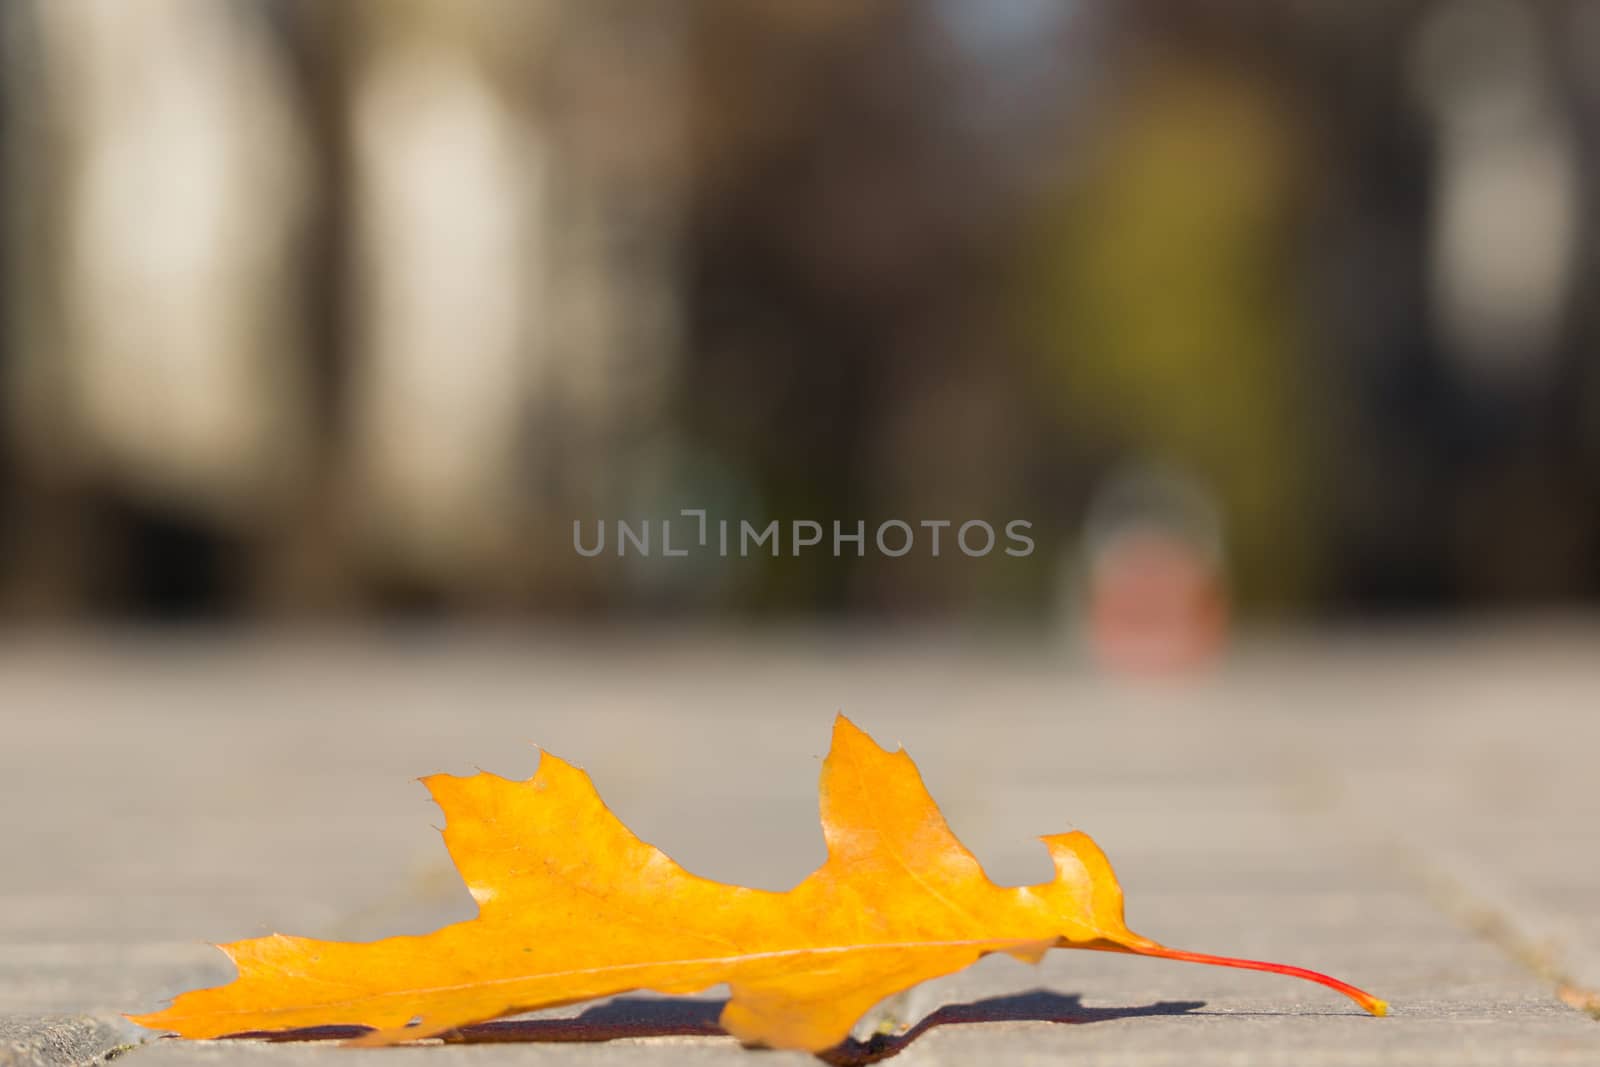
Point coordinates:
[(345, 309)]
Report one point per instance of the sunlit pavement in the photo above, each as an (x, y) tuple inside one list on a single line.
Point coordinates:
[(1413, 811)]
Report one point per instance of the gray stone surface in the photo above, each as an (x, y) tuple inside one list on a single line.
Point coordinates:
[(57, 1040), (1413, 812)]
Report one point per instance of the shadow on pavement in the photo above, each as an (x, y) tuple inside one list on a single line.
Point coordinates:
[(1036, 1006), (634, 1017)]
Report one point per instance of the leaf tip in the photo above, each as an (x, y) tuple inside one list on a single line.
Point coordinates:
[(846, 732), (436, 783)]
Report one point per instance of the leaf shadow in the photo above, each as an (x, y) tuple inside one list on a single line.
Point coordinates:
[(1038, 1005), (635, 1017)]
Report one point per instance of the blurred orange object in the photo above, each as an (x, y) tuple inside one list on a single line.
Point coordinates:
[(1157, 604), (1156, 598)]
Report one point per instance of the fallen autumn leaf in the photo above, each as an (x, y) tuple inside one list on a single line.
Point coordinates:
[(573, 906)]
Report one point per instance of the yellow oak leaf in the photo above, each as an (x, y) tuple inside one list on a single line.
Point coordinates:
[(572, 906)]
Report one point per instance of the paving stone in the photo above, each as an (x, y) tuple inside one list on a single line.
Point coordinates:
[(1414, 814), (58, 1040)]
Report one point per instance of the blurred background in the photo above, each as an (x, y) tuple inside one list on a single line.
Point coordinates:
[(1255, 309), (323, 326)]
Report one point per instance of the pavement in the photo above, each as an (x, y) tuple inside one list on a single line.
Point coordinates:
[(1413, 811)]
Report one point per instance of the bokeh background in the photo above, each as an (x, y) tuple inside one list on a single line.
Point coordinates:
[(1256, 309), (323, 321)]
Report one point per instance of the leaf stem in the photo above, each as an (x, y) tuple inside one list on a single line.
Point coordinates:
[(1371, 1003)]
